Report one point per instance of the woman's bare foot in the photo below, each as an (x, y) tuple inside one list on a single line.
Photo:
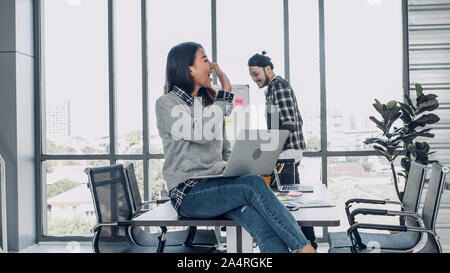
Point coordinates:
[(307, 249)]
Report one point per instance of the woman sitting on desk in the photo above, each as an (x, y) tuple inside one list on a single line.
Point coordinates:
[(196, 145)]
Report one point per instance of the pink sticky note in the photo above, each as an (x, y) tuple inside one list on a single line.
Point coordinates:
[(294, 193), (239, 102)]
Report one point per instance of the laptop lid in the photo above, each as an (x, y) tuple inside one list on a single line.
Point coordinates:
[(291, 187), (255, 151)]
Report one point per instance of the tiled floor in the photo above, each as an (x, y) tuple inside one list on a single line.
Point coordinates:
[(86, 247), (60, 247)]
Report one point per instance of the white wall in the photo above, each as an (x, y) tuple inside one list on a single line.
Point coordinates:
[(17, 119)]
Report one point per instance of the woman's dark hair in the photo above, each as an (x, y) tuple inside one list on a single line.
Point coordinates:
[(179, 59), (260, 60)]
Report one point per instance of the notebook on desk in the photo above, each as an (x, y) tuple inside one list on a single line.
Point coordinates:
[(295, 205)]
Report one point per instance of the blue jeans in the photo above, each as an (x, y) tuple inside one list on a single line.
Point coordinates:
[(251, 203)]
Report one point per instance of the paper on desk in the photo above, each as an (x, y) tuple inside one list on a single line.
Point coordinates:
[(283, 196), (307, 204)]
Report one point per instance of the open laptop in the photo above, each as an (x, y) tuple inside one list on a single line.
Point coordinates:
[(291, 187), (254, 152)]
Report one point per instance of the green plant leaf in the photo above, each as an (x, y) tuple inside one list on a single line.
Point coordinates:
[(391, 104), (407, 113), (419, 89), (427, 106), (379, 124), (388, 157), (392, 118), (425, 98), (424, 120), (410, 103), (431, 96), (378, 106)]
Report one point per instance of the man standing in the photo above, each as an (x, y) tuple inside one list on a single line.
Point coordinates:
[(279, 95)]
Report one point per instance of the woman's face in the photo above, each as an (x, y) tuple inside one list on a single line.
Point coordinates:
[(201, 69)]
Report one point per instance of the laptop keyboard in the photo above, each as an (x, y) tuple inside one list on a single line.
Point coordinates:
[(297, 187), (290, 188)]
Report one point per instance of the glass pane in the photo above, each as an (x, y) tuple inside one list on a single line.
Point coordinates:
[(310, 171), (363, 62), (75, 63), (69, 206), (158, 187), (367, 177), (128, 68), (243, 29), (304, 66), (168, 26)]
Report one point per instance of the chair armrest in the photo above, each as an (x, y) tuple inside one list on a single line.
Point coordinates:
[(120, 224), (355, 239), (368, 201), (380, 212)]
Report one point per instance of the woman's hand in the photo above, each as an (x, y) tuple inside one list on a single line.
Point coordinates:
[(223, 79)]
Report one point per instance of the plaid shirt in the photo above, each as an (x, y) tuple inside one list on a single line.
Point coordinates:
[(280, 94), (177, 194)]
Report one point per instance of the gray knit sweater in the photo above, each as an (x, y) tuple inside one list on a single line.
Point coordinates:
[(193, 136)]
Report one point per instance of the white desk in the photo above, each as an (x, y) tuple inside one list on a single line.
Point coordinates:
[(239, 240)]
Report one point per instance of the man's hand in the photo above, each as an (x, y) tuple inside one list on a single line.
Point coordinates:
[(223, 79)]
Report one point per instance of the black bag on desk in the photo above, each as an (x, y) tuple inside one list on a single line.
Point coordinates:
[(287, 173), (286, 169)]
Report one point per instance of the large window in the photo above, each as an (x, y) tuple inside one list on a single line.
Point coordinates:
[(255, 26), (368, 177), (304, 66), (168, 26), (103, 67), (363, 62), (128, 76), (75, 64), (75, 110)]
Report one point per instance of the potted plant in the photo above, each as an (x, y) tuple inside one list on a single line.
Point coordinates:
[(415, 118), (401, 141), (387, 145)]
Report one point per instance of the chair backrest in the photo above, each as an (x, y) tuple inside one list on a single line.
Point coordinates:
[(413, 189), (431, 204), (134, 188), (433, 196), (111, 199)]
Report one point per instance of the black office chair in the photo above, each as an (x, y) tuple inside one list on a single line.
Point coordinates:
[(411, 201), (425, 222), (113, 209), (188, 237)]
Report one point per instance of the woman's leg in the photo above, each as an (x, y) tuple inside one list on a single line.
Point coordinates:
[(267, 239), (214, 197)]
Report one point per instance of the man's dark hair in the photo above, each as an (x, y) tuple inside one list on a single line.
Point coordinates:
[(260, 60)]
